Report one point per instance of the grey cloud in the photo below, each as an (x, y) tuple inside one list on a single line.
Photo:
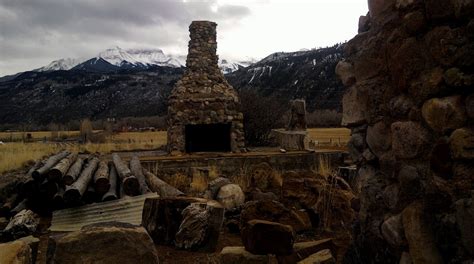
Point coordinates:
[(43, 28)]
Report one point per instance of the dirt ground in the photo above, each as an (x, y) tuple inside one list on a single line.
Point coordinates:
[(171, 255)]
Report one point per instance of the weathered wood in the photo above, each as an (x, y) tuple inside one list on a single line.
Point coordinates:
[(39, 174), (48, 189), (22, 224), (8, 205), (22, 205), (75, 191), (58, 199), (101, 179), (129, 183), (90, 195), (162, 217), (137, 171), (112, 193), (73, 172), (200, 227), (57, 172), (160, 186)]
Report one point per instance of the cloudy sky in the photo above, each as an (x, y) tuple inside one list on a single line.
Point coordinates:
[(35, 32)]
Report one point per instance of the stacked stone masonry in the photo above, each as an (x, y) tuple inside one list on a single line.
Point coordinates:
[(409, 102), (202, 95)]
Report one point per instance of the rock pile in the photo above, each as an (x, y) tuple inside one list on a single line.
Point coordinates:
[(409, 103), (202, 95)]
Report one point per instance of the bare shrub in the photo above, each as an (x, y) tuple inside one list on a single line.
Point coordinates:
[(86, 130), (324, 118), (261, 115)]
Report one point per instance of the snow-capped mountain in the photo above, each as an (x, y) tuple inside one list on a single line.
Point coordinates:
[(62, 64), (119, 58)]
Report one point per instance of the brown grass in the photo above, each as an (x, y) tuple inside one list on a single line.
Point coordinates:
[(15, 155), (330, 138)]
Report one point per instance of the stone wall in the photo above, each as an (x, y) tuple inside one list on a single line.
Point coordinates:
[(410, 103), (191, 174), (202, 95)]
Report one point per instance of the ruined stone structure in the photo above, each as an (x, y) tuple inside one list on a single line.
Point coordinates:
[(295, 136), (203, 108), (410, 106)]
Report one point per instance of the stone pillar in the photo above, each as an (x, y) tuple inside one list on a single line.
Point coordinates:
[(202, 47), (409, 76)]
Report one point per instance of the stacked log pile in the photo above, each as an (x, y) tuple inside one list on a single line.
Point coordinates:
[(67, 180)]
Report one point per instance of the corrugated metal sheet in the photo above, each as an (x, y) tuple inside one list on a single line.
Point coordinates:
[(128, 210)]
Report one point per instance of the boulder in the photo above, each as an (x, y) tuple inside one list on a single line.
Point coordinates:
[(214, 186), (414, 22), (439, 10), (400, 106), (230, 196), (111, 242), (465, 222), (200, 227), (392, 231), (16, 252), (462, 143), (303, 250), (353, 111), (406, 258), (238, 255), (255, 194), (321, 257), (272, 211), (345, 72), (463, 8), (470, 106), (264, 237), (379, 8), (444, 114), (409, 139), (379, 138), (419, 235)]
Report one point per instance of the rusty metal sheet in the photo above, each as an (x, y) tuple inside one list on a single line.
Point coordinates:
[(127, 210)]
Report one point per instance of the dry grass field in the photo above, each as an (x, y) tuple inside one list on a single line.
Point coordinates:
[(15, 154)]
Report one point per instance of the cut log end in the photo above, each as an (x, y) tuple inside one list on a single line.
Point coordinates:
[(72, 196), (131, 186), (102, 186), (109, 197), (54, 175), (36, 175), (68, 180)]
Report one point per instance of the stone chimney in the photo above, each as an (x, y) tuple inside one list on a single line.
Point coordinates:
[(203, 108)]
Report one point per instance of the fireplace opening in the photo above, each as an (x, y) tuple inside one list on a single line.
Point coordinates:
[(208, 138)]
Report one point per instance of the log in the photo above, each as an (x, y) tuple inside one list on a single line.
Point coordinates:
[(40, 173), (57, 172), (73, 172), (19, 207), (101, 179), (161, 187), (8, 205), (200, 227), (75, 191), (58, 199), (161, 217), (48, 189), (129, 183), (90, 195), (137, 171), (112, 193)]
